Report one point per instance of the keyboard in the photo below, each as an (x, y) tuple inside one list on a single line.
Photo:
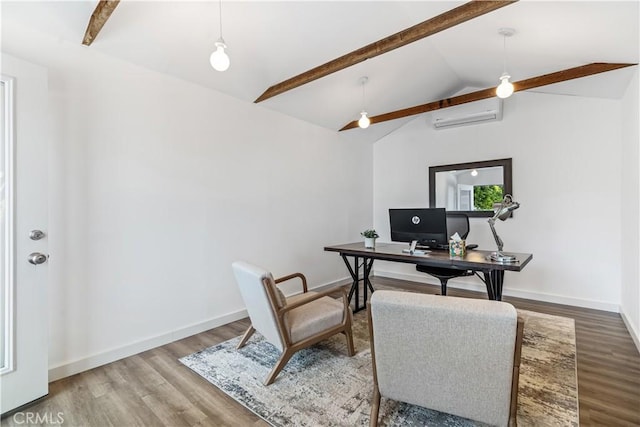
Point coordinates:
[(443, 247), (433, 248)]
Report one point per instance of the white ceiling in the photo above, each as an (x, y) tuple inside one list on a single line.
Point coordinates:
[(272, 41)]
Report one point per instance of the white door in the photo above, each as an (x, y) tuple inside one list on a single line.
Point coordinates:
[(465, 197), (23, 224)]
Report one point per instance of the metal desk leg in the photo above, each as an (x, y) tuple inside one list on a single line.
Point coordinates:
[(354, 278), (489, 283), (498, 281), (494, 280), (355, 284), (368, 265)]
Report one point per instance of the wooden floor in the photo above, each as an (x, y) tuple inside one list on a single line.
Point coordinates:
[(154, 389)]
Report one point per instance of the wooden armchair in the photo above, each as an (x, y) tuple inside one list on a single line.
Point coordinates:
[(455, 355), (294, 323)]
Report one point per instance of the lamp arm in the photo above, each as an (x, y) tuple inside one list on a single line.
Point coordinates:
[(497, 238), (495, 216)]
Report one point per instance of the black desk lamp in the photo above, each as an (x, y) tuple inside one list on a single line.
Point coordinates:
[(502, 212)]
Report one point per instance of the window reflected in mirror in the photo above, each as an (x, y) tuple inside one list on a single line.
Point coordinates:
[(472, 188)]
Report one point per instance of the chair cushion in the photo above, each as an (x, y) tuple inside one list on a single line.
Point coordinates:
[(299, 297), (313, 318), (281, 300)]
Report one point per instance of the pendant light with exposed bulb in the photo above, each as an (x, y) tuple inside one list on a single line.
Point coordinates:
[(505, 88), (219, 59), (364, 121)]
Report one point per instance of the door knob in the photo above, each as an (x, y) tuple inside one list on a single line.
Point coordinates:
[(37, 258), (36, 234)]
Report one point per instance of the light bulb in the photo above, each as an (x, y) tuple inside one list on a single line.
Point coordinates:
[(364, 121), (474, 173), (504, 89), (219, 59)]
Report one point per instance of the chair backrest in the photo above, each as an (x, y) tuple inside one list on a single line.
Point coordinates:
[(253, 282), (457, 222), (453, 355)]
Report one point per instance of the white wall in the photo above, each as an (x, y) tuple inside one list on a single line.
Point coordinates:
[(630, 244), (566, 154), (158, 185)]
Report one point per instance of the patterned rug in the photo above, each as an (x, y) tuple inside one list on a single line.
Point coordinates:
[(322, 386)]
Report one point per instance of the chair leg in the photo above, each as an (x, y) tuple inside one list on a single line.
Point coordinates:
[(349, 336), (284, 358), (245, 337), (375, 407), (443, 286)]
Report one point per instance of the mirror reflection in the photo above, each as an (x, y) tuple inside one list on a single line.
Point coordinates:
[(472, 187)]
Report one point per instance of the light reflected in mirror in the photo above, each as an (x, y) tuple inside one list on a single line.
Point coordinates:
[(472, 187)]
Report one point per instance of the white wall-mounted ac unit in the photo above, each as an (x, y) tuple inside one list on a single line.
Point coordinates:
[(483, 111)]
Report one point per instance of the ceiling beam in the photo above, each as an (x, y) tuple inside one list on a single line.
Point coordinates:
[(448, 19), (98, 18), (533, 82)]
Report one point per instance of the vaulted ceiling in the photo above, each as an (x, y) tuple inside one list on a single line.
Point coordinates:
[(269, 42)]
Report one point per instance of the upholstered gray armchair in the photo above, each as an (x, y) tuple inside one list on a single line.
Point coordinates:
[(455, 355), (294, 323)]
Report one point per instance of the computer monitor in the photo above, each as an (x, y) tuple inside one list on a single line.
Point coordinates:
[(426, 225)]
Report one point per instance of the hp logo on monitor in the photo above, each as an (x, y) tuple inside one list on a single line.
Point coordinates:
[(415, 220)]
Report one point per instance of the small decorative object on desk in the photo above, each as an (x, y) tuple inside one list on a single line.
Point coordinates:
[(457, 246), (370, 237)]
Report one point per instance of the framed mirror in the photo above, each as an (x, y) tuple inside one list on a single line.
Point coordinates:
[(471, 187)]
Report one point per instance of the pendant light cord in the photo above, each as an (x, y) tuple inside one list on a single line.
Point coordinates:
[(220, 13), (504, 53)]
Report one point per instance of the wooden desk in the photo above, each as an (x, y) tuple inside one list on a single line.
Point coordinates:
[(475, 260)]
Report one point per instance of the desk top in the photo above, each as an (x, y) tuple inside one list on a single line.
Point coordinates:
[(474, 259)]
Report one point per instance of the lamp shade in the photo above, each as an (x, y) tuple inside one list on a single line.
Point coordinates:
[(503, 209), (219, 59)]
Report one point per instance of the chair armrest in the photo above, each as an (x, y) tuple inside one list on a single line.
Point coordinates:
[(314, 297), (293, 276), (515, 380)]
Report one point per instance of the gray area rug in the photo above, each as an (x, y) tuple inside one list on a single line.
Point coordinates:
[(322, 386)]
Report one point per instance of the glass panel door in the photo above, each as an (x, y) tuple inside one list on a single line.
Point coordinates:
[(23, 278), (7, 248)]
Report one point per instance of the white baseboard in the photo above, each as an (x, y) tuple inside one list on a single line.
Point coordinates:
[(84, 364), (326, 286), (75, 367), (536, 296), (71, 368), (632, 331)]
